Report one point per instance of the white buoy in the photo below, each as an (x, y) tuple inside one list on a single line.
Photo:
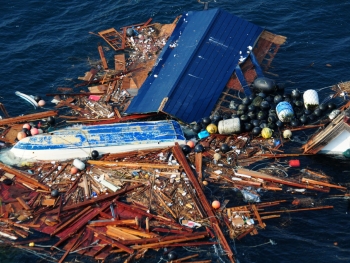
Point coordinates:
[(229, 126), (287, 134), (79, 164), (310, 99)]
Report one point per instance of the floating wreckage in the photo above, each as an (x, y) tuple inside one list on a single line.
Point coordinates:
[(133, 197), (79, 141)]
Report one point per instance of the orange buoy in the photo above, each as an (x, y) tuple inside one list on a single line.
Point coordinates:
[(294, 163), (215, 204), (21, 135), (41, 103), (27, 126), (205, 182), (34, 131), (191, 144), (74, 170)]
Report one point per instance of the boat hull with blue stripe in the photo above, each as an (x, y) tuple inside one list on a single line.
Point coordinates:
[(80, 141)]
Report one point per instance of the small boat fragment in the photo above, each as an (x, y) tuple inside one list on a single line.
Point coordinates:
[(80, 141), (28, 98)]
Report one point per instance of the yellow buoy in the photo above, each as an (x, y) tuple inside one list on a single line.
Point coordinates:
[(212, 128), (266, 133)]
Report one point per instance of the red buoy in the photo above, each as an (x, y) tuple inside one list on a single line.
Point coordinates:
[(294, 163)]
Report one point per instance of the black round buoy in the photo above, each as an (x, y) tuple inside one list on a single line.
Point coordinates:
[(7, 181), (251, 107), (172, 255), (294, 122), (186, 149), (331, 106), (51, 120), (277, 99), (312, 117), (263, 125), (271, 125), (224, 148), (206, 121), (262, 95), (261, 115), (244, 118), (248, 126), (55, 193), (94, 154), (216, 118), (322, 107), (240, 112), (196, 128), (246, 101), (24, 130), (318, 112), (272, 118), (37, 98), (287, 99), (279, 123), (251, 115), (307, 112), (256, 130), (251, 97), (243, 107), (199, 148), (295, 94), (298, 103), (265, 105), (303, 119), (255, 122), (269, 99)]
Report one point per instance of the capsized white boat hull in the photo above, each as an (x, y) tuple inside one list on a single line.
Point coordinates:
[(80, 141)]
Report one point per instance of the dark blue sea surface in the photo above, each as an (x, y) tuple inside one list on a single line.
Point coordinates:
[(47, 44)]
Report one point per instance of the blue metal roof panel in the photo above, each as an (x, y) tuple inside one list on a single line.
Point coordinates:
[(196, 64)]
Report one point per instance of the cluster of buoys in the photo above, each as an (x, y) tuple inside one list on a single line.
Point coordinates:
[(32, 129), (267, 109)]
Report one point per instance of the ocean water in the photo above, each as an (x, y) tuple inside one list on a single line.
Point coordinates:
[(47, 44)]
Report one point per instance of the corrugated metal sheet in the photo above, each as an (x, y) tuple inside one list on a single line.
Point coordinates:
[(195, 65)]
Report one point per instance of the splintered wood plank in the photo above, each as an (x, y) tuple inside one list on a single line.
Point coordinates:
[(256, 213), (119, 62), (137, 232), (198, 162), (103, 58), (114, 232), (23, 203)]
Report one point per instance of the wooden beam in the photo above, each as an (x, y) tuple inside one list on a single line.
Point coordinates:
[(181, 158), (102, 56), (29, 117)]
